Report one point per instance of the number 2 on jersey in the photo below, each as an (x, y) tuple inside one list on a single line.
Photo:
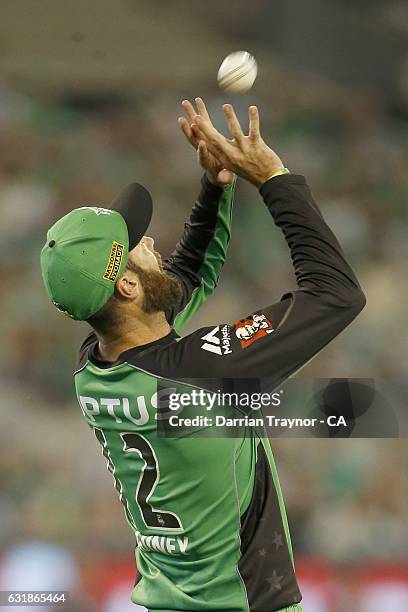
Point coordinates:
[(149, 478)]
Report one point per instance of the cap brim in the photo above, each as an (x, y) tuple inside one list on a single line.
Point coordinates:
[(136, 206)]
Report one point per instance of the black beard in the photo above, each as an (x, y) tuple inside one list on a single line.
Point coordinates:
[(162, 291)]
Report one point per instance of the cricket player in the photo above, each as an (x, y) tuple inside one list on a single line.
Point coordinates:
[(207, 511)]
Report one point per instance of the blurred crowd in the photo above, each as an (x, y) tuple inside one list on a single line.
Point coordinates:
[(55, 157), (347, 500)]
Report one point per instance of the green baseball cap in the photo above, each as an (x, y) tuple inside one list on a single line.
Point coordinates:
[(87, 250)]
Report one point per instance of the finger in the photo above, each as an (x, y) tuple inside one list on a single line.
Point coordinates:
[(233, 123), (216, 143), (189, 108), (187, 131), (202, 109), (197, 133), (254, 130), (201, 135), (207, 130), (211, 146), (203, 155)]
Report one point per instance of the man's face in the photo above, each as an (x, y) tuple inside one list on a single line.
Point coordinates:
[(161, 291)]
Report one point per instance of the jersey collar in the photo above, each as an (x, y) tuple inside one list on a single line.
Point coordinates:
[(172, 336)]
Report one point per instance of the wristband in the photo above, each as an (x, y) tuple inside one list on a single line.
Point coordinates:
[(279, 173)]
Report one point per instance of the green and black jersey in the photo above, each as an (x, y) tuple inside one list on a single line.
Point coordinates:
[(207, 512)]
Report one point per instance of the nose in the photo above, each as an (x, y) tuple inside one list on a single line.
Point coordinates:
[(149, 242)]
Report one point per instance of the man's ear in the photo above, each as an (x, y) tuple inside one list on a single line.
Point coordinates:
[(128, 285)]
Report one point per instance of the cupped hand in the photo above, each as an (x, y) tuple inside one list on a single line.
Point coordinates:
[(246, 155), (216, 172)]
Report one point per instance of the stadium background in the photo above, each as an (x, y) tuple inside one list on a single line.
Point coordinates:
[(89, 97)]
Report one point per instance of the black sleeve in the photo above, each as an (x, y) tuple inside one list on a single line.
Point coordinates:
[(200, 254), (279, 339)]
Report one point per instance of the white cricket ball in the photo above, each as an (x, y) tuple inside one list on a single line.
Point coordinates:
[(237, 72)]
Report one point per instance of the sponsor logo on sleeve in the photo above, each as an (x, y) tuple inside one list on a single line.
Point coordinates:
[(218, 341), (252, 329), (114, 261)]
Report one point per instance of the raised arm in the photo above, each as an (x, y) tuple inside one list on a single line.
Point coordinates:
[(200, 254), (276, 341)]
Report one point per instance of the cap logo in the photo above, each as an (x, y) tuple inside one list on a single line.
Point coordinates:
[(115, 259)]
